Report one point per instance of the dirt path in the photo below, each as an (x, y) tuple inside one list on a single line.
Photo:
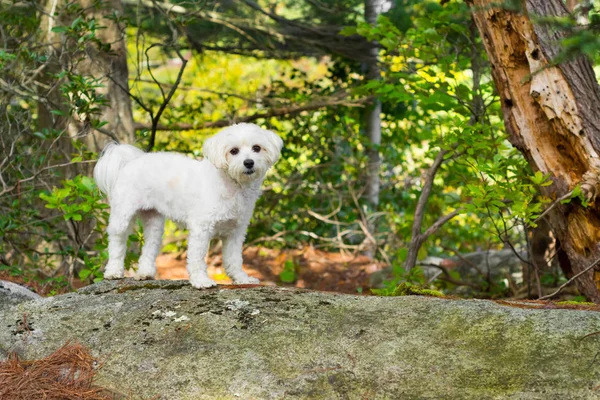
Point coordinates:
[(314, 269)]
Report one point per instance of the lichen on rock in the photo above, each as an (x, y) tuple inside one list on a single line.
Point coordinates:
[(408, 289)]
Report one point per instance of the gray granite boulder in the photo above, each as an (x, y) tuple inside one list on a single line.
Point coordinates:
[(12, 294), (169, 340)]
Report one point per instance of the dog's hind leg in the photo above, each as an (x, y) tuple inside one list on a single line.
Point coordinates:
[(198, 241), (119, 227), (154, 225)]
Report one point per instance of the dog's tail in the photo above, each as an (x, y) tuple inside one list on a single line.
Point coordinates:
[(111, 161)]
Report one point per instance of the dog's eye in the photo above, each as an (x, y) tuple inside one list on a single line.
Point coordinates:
[(256, 148), (234, 151)]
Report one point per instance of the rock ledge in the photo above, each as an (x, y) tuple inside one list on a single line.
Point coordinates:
[(166, 339)]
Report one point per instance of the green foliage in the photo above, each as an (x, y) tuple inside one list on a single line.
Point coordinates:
[(52, 218), (78, 200), (402, 278), (436, 70), (84, 100), (288, 274), (579, 298)]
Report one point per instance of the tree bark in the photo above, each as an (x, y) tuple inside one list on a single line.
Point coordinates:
[(108, 66), (372, 121), (552, 115), (373, 111)]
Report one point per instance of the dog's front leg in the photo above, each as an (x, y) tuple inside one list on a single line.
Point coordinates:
[(198, 242), (232, 258)]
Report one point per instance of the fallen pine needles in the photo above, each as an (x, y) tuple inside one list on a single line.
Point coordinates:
[(66, 374)]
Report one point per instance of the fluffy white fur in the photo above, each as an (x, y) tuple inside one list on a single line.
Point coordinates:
[(214, 197)]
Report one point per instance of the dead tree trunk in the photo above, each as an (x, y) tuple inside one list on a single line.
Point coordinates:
[(552, 114)]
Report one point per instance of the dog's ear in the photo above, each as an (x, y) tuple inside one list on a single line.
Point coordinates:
[(275, 145), (214, 151)]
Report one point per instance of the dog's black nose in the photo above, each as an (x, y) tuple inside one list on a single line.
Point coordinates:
[(248, 163)]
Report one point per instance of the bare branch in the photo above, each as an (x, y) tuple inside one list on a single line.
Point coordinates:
[(567, 283), (554, 204), (327, 220), (448, 277), (32, 177), (166, 101), (441, 221), (287, 35), (417, 238), (199, 89), (277, 112)]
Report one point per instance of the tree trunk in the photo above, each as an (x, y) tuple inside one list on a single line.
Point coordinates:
[(111, 66), (372, 121), (108, 66), (552, 114)]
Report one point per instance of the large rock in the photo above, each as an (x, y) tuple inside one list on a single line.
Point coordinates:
[(12, 294), (168, 339)]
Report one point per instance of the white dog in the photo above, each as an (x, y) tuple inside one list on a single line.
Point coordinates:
[(214, 197)]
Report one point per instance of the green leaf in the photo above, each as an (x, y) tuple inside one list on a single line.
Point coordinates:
[(76, 22), (348, 31), (84, 273), (88, 183), (74, 217), (401, 254), (287, 276)]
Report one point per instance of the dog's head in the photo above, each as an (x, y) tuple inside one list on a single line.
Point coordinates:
[(245, 151)]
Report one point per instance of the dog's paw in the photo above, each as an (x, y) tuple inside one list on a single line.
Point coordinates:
[(113, 271), (113, 275), (144, 274), (245, 280), (202, 282)]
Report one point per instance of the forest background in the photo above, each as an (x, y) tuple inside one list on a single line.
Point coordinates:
[(396, 151)]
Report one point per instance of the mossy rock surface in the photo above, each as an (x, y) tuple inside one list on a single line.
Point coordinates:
[(169, 340), (408, 289)]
